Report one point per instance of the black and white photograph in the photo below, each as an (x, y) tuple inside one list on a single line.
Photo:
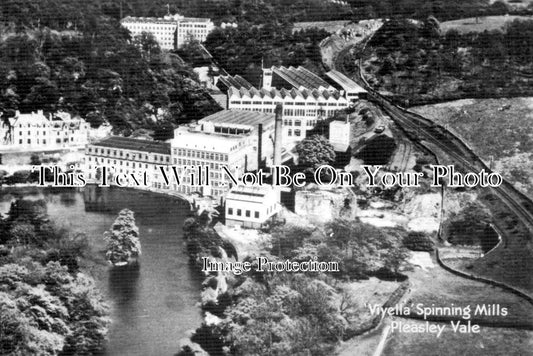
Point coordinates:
[(266, 177)]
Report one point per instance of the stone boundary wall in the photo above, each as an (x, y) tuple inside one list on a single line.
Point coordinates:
[(394, 298)]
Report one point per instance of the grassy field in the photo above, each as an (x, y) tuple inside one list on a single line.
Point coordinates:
[(438, 287), (497, 129), (488, 23)]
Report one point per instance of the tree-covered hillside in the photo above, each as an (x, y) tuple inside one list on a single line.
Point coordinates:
[(68, 55)]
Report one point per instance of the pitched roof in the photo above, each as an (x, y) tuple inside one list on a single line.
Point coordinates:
[(135, 144), (318, 94), (239, 117), (346, 83), (300, 77), (235, 81)]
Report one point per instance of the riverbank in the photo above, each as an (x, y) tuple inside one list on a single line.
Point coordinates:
[(154, 306)]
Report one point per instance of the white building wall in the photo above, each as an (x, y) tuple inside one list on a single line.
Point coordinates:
[(243, 212), (35, 131), (299, 115), (127, 162)]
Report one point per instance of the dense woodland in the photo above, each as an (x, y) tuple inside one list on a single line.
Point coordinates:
[(56, 12), (47, 306), (284, 313), (73, 55), (85, 63), (244, 49), (415, 61)]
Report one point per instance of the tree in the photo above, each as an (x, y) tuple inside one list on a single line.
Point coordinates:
[(314, 152), (35, 160), (147, 43), (123, 244), (418, 241)]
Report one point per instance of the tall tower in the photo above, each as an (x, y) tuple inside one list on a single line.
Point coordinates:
[(278, 131), (267, 77)]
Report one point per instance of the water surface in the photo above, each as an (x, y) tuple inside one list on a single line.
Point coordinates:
[(152, 307)]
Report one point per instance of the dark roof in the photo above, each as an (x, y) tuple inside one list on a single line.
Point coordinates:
[(346, 83), (301, 77), (235, 81), (240, 117), (134, 144)]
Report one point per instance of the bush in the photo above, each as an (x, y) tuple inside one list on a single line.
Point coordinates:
[(423, 161), (418, 241)]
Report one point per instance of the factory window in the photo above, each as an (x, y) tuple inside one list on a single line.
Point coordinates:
[(257, 103), (290, 132), (256, 215), (297, 123), (239, 212), (230, 211), (297, 132), (247, 213)]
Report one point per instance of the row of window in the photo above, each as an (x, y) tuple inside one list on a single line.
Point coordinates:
[(182, 152), (289, 103), (247, 213), (44, 141), (120, 153), (183, 162), (297, 133)]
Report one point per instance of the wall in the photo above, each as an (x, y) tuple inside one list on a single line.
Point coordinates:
[(321, 205)]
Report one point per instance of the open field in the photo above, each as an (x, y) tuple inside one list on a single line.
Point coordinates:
[(488, 23), (441, 288), (497, 129)]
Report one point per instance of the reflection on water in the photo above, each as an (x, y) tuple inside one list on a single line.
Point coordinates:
[(152, 306), (123, 284)]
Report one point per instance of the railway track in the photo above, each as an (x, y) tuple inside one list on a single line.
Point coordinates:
[(455, 148)]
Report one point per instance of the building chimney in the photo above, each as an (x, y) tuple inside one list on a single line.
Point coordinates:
[(259, 146), (278, 129)]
